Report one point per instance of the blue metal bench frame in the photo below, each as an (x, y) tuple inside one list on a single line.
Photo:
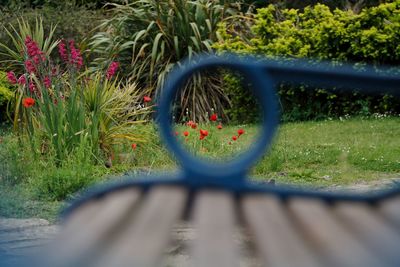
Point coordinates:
[(264, 74)]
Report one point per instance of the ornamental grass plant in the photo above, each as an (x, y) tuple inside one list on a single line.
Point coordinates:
[(150, 37)]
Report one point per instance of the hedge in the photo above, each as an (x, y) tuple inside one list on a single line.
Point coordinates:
[(6, 95), (372, 36)]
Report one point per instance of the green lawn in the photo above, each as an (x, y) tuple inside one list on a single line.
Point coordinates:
[(318, 154), (305, 153)]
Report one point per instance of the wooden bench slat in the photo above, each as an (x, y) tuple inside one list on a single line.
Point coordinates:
[(143, 238), (214, 219), (371, 229), (391, 210), (335, 243), (88, 228), (278, 242)]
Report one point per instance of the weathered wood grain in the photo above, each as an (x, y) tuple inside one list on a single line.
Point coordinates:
[(278, 242), (214, 219)]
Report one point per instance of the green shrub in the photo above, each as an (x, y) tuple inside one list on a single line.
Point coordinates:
[(371, 37), (244, 107), (355, 5), (6, 95)]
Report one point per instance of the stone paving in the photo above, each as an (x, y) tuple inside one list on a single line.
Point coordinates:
[(20, 237)]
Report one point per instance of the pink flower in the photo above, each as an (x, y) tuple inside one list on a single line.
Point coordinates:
[(36, 59), (11, 77), (47, 82), (22, 80), (54, 71), (34, 51), (32, 47), (76, 57), (29, 66), (32, 87), (62, 50), (112, 69)]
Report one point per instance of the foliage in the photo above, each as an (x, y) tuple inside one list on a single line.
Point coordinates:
[(13, 57), (6, 94), (354, 5), (325, 153), (63, 4), (150, 36), (118, 112), (59, 108), (43, 178), (371, 37), (244, 106), (78, 25)]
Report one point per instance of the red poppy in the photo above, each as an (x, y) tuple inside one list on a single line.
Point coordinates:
[(203, 132), (186, 133), (134, 145), (219, 127), (146, 99), (230, 143), (194, 125), (28, 102), (240, 132), (213, 117), (234, 138)]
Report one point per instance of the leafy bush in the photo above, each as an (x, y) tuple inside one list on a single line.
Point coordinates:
[(149, 37), (372, 37), (355, 5), (6, 94)]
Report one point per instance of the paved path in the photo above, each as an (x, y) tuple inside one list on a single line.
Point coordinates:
[(18, 237)]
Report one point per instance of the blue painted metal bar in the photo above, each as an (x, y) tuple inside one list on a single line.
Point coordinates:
[(263, 75)]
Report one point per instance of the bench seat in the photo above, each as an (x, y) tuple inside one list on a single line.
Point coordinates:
[(130, 228)]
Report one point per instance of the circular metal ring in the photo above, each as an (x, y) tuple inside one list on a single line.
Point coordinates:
[(263, 89)]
